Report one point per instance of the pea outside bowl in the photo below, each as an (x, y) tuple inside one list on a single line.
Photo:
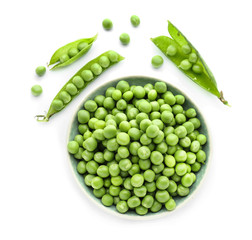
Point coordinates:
[(73, 130)]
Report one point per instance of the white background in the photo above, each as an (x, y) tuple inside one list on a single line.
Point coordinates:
[(39, 198)]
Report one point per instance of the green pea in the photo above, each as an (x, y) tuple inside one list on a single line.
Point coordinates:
[(36, 90), (57, 105), (187, 180), (133, 202), (81, 167), (90, 144), (87, 75), (107, 200), (197, 68), (157, 61), (186, 49), (123, 138), (99, 193), (140, 191), (78, 81), (97, 182), (182, 191), (156, 207), (170, 205), (124, 38), (82, 45), (160, 87), (113, 56), (135, 20), (96, 69), (171, 50), (73, 147), (65, 97), (107, 24), (193, 58), (90, 105), (162, 196), (64, 58), (72, 52), (40, 70), (185, 64)]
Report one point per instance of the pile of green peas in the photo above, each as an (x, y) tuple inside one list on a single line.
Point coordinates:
[(138, 148), (190, 62)]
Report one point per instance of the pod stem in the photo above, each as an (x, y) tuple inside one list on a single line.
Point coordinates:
[(222, 99), (44, 118)]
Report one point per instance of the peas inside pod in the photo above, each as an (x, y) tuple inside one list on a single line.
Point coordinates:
[(138, 148)]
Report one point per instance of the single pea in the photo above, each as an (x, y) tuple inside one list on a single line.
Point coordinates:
[(195, 146), (187, 180), (104, 61), (141, 210), (193, 58), (96, 69), (168, 172), (90, 144), (186, 49), (87, 155), (201, 139), (90, 105), (156, 158), (201, 156), (151, 187), (81, 167), (121, 104), (167, 116), (64, 57), (107, 24), (101, 113), (57, 104), (133, 148), (143, 152), (71, 89), (113, 56), (160, 87), (197, 68), (148, 201), (152, 131), (82, 45), (180, 99), (133, 202), (124, 126), (117, 181), (123, 152), (149, 175), (124, 38), (125, 194), (172, 139), (162, 182), (134, 169), (40, 70), (162, 196), (134, 134), (114, 190), (112, 145), (132, 113), (170, 99), (79, 139), (182, 191), (145, 140), (127, 96), (65, 97), (119, 117), (195, 122), (82, 128), (109, 103), (172, 188), (135, 20), (103, 171), (97, 182), (156, 206), (139, 92), (123, 86), (157, 61), (170, 204), (196, 166), (144, 107), (161, 147), (181, 169), (185, 142), (36, 90), (87, 75), (114, 170), (180, 131), (144, 164), (73, 52), (116, 94), (83, 116), (127, 184), (140, 191), (137, 180), (171, 50), (185, 64), (92, 167), (125, 164), (123, 138), (78, 81), (107, 200), (158, 168), (99, 193)]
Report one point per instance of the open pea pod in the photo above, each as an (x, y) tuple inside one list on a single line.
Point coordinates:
[(69, 53), (79, 81), (203, 77)]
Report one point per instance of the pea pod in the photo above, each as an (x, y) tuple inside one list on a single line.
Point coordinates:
[(79, 81), (186, 57), (71, 52)]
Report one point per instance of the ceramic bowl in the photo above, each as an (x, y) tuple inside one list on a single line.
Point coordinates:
[(73, 130)]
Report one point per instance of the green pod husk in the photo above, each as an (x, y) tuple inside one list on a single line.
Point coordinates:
[(55, 59), (52, 110), (205, 79)]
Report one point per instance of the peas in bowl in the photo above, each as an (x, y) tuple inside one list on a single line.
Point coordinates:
[(138, 147)]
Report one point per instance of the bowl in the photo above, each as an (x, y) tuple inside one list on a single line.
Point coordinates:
[(73, 130)]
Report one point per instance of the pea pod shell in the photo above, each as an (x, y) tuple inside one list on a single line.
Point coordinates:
[(206, 79), (52, 111), (64, 50)]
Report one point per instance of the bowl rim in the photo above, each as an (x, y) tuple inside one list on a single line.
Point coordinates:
[(138, 217)]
